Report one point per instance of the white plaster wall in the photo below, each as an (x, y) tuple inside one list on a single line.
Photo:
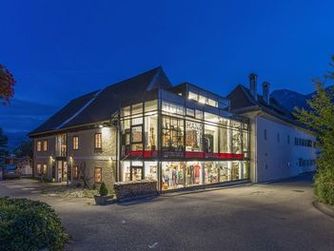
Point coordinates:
[(278, 160)]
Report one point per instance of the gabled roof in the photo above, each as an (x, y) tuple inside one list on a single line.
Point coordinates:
[(102, 104), (242, 101)]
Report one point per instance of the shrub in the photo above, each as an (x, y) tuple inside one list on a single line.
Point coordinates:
[(324, 186), (103, 189), (29, 225)]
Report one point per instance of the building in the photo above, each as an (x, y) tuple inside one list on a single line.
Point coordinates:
[(144, 128), (280, 146)]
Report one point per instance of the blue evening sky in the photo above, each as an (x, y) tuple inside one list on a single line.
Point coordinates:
[(60, 49)]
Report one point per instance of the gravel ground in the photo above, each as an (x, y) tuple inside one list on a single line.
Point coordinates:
[(277, 216)]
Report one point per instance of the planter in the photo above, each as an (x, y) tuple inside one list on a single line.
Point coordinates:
[(135, 190), (103, 200)]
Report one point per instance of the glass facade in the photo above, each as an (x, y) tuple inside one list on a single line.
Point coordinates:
[(180, 143)]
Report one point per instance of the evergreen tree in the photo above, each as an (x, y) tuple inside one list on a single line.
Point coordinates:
[(24, 149), (320, 119)]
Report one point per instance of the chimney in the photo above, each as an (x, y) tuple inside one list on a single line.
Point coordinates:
[(253, 85), (266, 91)]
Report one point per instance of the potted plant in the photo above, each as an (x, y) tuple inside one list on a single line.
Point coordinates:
[(102, 198)]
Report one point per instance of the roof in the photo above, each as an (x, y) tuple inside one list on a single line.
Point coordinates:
[(100, 105), (242, 101)]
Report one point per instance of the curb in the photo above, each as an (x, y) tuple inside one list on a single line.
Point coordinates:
[(325, 209), (192, 190)]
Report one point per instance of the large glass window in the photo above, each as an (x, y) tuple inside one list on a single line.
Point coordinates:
[(194, 135), (125, 174), (137, 134), (172, 108), (151, 106), (125, 111), (194, 173), (137, 109), (210, 143), (236, 141), (211, 172), (151, 132), (173, 175), (172, 134), (245, 143), (151, 170), (224, 140)]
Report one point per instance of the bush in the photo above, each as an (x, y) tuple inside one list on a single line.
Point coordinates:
[(29, 225), (324, 186), (103, 189)]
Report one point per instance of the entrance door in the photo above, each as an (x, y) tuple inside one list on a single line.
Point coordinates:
[(64, 174), (136, 173), (61, 171)]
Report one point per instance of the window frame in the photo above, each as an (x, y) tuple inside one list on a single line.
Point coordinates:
[(45, 145), (95, 176), (96, 145), (39, 146), (75, 142)]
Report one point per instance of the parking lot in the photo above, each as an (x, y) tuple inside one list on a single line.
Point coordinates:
[(277, 216)]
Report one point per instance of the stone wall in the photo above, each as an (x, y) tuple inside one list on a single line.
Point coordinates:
[(135, 189)]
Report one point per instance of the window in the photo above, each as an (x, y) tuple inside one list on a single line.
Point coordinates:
[(202, 99), (126, 111), (61, 145), (151, 132), (39, 146), (45, 168), (137, 108), (98, 175), (198, 114), (39, 169), (137, 134), (225, 140), (288, 139), (45, 145), (151, 106), (98, 140), (172, 108), (75, 142), (190, 112), (75, 172), (265, 134), (303, 142), (172, 134), (236, 141), (193, 96), (210, 141), (194, 136)]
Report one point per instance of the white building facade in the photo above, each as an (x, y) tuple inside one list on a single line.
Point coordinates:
[(280, 146)]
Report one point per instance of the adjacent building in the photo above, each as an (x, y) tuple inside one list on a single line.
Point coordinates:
[(280, 146), (178, 135), (144, 128)]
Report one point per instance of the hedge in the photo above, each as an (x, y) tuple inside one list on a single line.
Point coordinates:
[(29, 225)]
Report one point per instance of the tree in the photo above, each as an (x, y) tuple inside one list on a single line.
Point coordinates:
[(3, 147), (320, 119), (7, 82), (25, 149)]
